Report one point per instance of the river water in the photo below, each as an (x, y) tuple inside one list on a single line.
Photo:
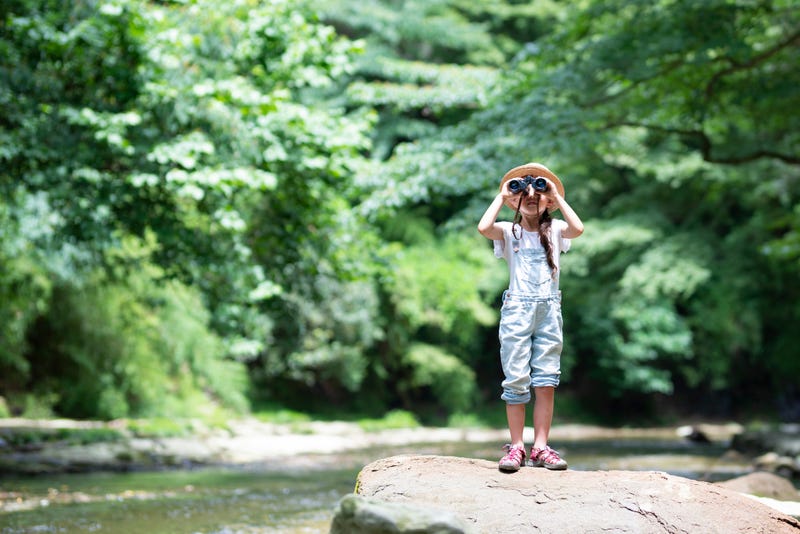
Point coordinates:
[(285, 498)]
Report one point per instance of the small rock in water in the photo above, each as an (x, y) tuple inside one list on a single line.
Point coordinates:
[(693, 434)]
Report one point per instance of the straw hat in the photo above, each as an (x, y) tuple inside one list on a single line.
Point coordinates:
[(533, 169)]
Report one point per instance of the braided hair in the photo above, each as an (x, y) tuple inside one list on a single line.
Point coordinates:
[(545, 222)]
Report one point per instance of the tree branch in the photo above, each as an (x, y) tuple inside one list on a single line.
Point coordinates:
[(706, 146), (605, 98), (755, 60)]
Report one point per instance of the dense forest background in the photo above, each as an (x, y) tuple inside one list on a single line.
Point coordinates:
[(214, 206)]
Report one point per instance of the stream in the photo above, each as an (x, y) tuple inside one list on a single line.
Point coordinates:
[(270, 497)]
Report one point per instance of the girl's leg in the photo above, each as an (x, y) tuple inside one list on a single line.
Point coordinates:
[(515, 451), (515, 413), (542, 415)]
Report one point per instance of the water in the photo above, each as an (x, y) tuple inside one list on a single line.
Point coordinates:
[(278, 498)]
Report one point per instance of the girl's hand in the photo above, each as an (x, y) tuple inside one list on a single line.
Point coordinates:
[(506, 193), (551, 190)]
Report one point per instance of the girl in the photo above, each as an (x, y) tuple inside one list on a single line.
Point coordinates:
[(530, 320)]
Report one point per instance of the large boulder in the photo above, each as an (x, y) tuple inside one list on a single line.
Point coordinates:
[(538, 500), (763, 484)]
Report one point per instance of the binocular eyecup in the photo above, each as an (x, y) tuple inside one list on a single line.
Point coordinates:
[(518, 185)]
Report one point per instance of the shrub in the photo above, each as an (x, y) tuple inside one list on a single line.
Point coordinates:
[(133, 345)]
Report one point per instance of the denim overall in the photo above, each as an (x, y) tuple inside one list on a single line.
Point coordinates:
[(530, 324)]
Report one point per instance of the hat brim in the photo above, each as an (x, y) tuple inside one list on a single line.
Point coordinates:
[(533, 169)]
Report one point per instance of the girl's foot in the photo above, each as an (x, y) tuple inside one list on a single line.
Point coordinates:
[(514, 458), (548, 458)]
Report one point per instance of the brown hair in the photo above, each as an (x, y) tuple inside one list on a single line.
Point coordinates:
[(545, 221)]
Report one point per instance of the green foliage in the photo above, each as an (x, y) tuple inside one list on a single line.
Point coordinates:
[(465, 420), (427, 29), (26, 437), (441, 286), (131, 346), (87, 436), (437, 292), (720, 71), (202, 201), (423, 86), (674, 150), (394, 419), (450, 380), (159, 427), (24, 290), (282, 416), (34, 405), (425, 64), (186, 124), (325, 338)]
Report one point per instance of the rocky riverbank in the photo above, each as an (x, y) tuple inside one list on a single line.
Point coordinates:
[(36, 447), (57, 445)]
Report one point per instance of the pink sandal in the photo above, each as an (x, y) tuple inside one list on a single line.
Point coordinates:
[(548, 458), (514, 458)]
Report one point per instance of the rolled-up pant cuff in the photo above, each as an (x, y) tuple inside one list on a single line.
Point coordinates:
[(545, 381), (516, 398)]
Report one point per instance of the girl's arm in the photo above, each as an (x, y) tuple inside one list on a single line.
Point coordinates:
[(488, 224), (574, 224)]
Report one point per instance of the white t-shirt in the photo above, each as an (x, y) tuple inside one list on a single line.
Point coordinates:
[(527, 259)]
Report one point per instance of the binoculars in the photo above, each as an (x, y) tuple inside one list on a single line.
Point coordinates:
[(517, 185)]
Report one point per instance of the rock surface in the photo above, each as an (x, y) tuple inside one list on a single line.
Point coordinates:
[(763, 484), (538, 500), (360, 515), (783, 440)]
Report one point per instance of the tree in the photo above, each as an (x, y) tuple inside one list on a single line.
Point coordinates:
[(659, 126), (181, 127)]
